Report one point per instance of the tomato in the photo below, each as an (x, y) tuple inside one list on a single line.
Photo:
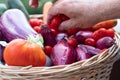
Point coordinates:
[(72, 31), (110, 32), (99, 33), (48, 50), (55, 22), (64, 17), (20, 52), (72, 41), (90, 41), (35, 22), (37, 29), (55, 32)]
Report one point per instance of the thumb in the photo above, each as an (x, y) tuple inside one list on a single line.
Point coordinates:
[(68, 24)]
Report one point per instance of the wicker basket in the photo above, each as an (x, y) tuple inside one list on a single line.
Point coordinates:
[(97, 67)]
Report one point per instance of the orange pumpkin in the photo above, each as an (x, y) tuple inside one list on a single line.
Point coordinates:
[(20, 52)]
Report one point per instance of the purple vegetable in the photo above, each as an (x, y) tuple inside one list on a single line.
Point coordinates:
[(86, 51), (90, 49), (82, 35), (82, 53), (63, 53), (0, 36), (105, 42), (15, 25), (2, 47), (48, 36), (61, 36)]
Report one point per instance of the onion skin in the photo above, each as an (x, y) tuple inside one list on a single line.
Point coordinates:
[(63, 53), (48, 36), (82, 54), (105, 42), (86, 51), (14, 25), (82, 35)]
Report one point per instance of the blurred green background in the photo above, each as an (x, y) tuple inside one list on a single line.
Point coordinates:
[(23, 5)]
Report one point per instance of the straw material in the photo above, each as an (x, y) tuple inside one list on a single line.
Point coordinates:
[(96, 68)]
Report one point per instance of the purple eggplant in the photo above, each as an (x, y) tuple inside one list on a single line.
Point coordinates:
[(14, 25), (63, 53), (3, 44)]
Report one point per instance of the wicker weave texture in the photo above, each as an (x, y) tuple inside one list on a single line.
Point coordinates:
[(96, 68)]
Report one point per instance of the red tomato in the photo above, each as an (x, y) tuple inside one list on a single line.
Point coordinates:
[(63, 17), (48, 50), (37, 29), (110, 32), (99, 33), (55, 32), (72, 31), (90, 41), (55, 22), (72, 41), (20, 52), (35, 22)]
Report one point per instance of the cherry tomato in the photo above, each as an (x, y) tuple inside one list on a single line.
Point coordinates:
[(35, 22), (110, 32), (55, 32), (55, 22), (48, 50), (72, 31), (72, 41), (63, 17), (37, 29), (99, 33), (90, 41)]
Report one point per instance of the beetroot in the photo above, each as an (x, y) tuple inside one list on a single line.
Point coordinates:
[(63, 53), (105, 42)]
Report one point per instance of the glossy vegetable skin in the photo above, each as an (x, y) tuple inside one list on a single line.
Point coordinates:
[(20, 52), (63, 53), (15, 25)]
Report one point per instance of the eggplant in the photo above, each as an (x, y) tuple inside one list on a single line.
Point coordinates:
[(14, 24), (3, 44)]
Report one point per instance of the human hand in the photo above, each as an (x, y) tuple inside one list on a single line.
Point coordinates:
[(82, 13)]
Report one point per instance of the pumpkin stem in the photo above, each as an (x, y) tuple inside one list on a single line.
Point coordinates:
[(38, 39)]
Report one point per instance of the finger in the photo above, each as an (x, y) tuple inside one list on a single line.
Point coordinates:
[(33, 3), (56, 9), (68, 24)]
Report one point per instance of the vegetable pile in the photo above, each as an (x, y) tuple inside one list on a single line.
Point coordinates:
[(32, 42)]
